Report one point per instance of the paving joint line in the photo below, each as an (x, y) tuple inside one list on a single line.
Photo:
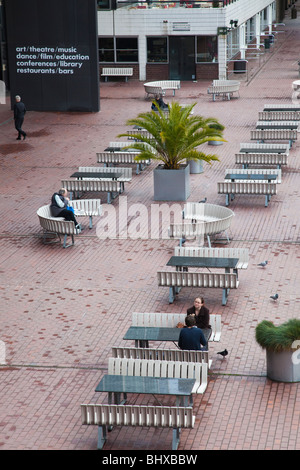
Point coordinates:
[(103, 368)]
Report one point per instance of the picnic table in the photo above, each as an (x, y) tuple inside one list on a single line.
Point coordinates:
[(282, 107), (97, 174), (251, 176), (141, 335), (181, 262), (277, 124), (115, 385)]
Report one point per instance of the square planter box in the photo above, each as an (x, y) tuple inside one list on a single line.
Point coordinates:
[(171, 185), (281, 367)]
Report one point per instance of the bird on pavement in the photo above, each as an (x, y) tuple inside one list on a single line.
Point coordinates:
[(263, 264), (223, 353), (203, 200), (274, 297)]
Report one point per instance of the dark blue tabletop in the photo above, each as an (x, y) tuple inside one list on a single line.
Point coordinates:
[(277, 125), (202, 262), (262, 150), (149, 333), (96, 174), (156, 333), (249, 176), (148, 385)]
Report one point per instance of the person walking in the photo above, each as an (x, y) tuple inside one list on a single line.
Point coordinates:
[(19, 114)]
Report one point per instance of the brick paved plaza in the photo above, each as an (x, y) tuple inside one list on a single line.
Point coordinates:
[(63, 309)]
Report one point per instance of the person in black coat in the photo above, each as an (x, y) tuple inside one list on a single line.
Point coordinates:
[(201, 314), (19, 114), (191, 337), (59, 207)]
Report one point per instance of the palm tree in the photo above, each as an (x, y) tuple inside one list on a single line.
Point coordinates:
[(174, 137)]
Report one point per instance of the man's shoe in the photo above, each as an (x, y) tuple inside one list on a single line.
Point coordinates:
[(18, 138), (24, 136)]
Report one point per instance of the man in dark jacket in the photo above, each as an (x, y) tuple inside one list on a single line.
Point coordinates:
[(19, 114), (191, 337)]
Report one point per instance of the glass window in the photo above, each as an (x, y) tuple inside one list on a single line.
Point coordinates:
[(126, 50), (157, 49), (106, 49), (103, 5), (207, 49)]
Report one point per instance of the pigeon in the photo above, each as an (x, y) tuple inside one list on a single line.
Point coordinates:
[(263, 264), (274, 297), (203, 200), (223, 353)]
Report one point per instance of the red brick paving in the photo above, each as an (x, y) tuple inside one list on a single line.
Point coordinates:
[(62, 310)]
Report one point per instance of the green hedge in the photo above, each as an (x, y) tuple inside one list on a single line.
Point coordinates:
[(277, 338)]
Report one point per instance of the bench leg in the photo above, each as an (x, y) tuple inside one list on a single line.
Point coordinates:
[(267, 199), (102, 432), (65, 241), (90, 221), (171, 294), (227, 196), (108, 198), (225, 296), (175, 439)]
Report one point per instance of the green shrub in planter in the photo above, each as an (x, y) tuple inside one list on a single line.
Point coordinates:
[(277, 338), (175, 137)]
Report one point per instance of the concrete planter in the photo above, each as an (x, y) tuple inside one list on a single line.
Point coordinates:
[(171, 185), (196, 166), (281, 367), (215, 142)]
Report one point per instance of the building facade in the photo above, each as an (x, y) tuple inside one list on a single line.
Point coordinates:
[(185, 39)]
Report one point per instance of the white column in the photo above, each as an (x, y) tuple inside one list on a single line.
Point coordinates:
[(142, 57), (257, 29), (243, 45), (222, 57), (270, 18)]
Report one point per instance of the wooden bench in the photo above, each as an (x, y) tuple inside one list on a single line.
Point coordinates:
[(158, 354), (224, 88), (263, 159), (175, 280), (160, 87), (207, 220), (55, 226), (274, 134), (125, 178), (111, 187), (255, 147), (247, 187), (156, 368), (256, 171), (115, 158), (241, 253), (117, 72), (170, 320), (134, 133), (279, 115), (87, 208), (105, 416)]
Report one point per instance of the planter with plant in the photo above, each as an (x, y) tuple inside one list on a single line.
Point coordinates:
[(219, 127), (281, 343), (173, 139)]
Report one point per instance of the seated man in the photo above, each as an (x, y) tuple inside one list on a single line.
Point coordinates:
[(161, 104), (59, 207), (191, 337)]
